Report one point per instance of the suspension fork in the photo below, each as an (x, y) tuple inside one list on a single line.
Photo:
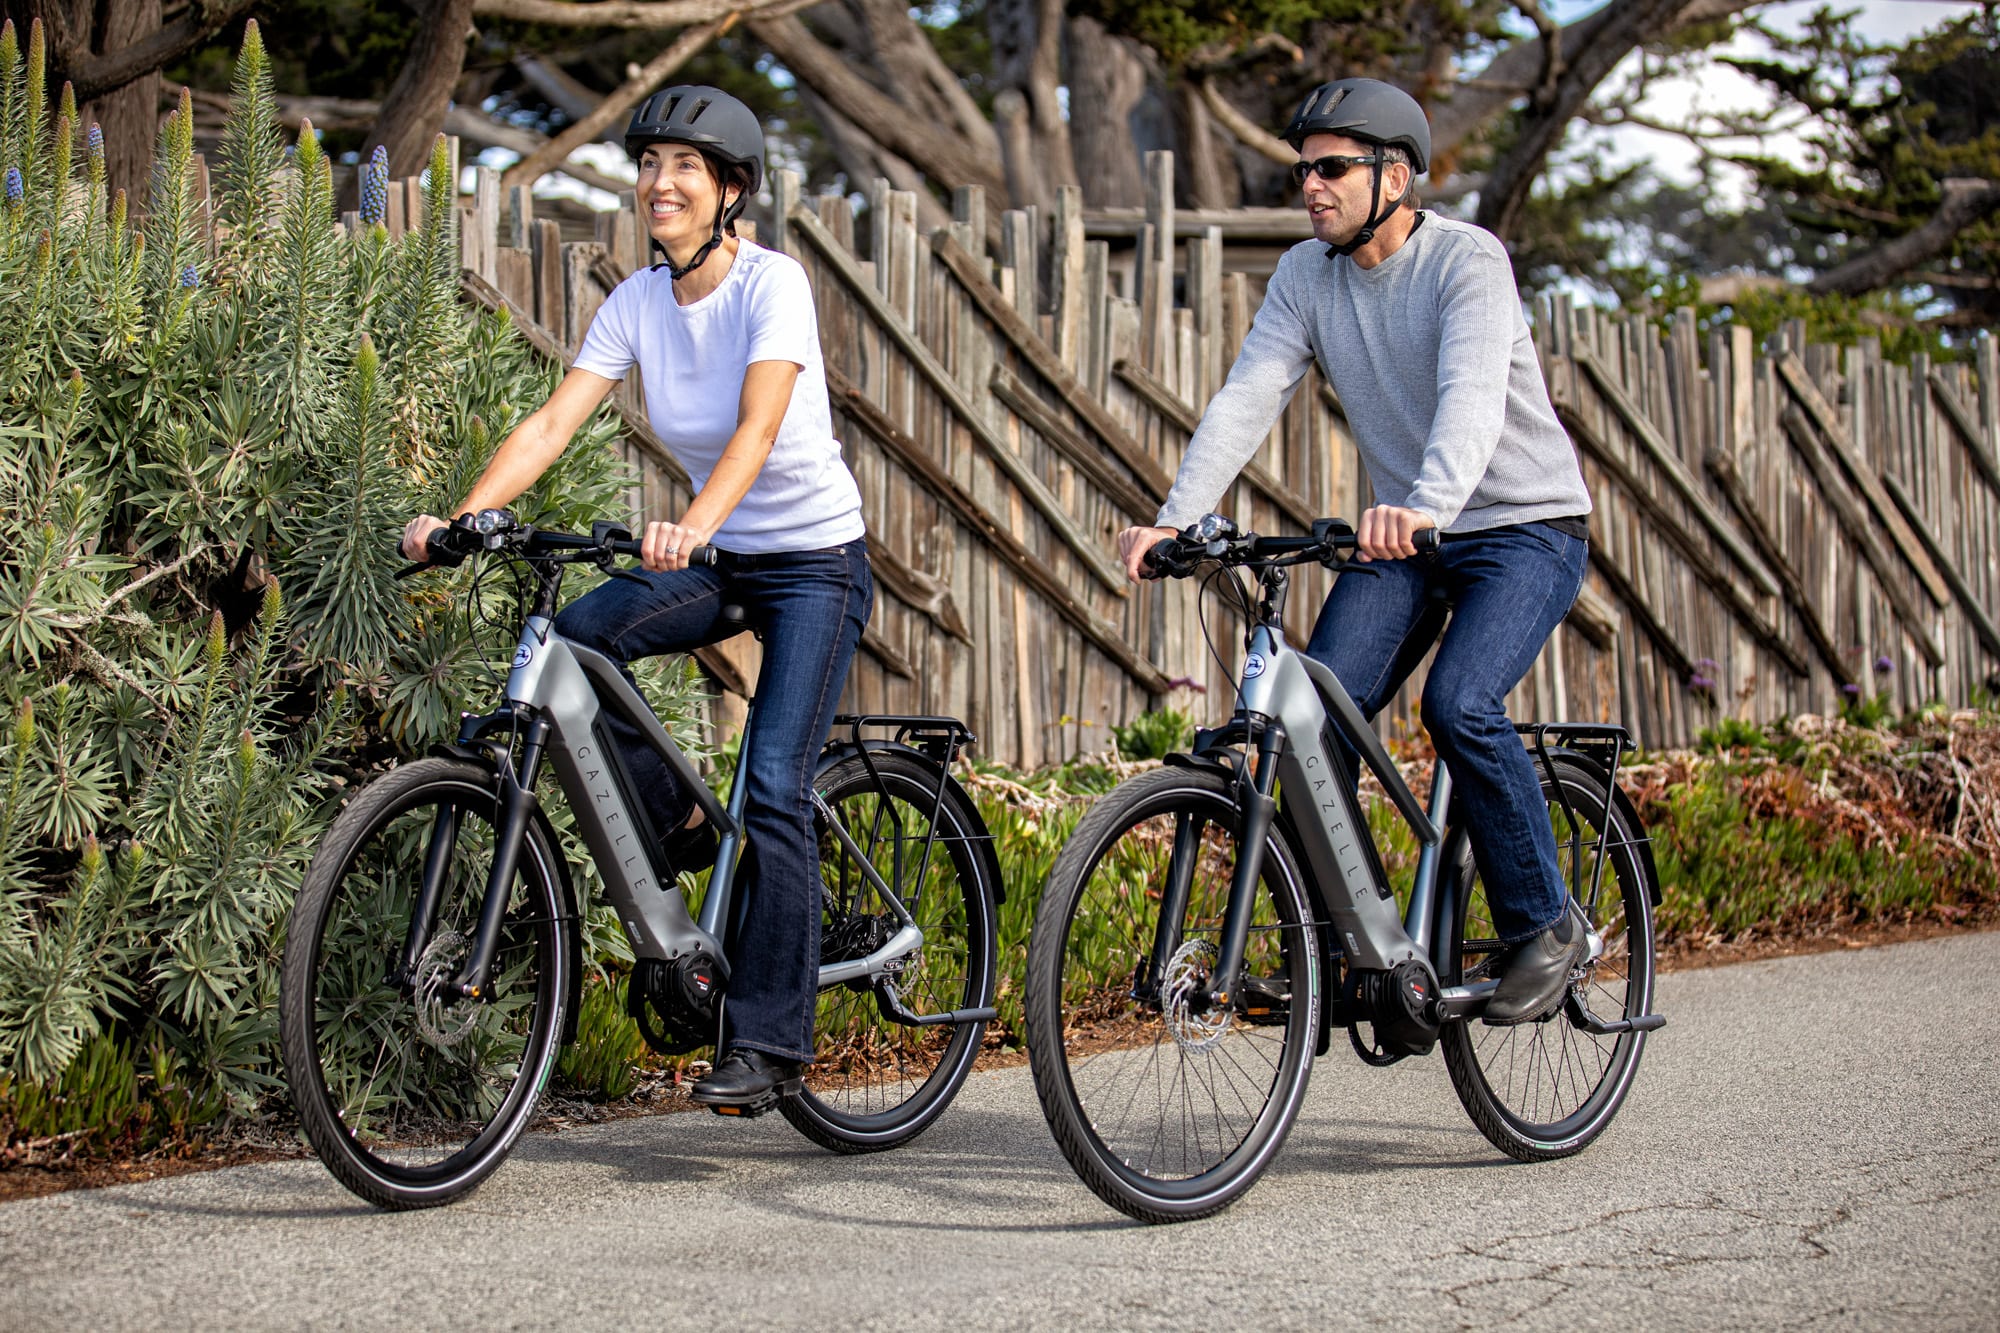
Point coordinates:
[(1259, 809), (1173, 907), (516, 808), (430, 896)]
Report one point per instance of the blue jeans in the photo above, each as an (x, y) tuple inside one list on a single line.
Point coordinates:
[(810, 607), (1508, 588)]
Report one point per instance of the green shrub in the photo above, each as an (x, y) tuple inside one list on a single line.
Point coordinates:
[(1154, 735), (601, 1062), (191, 421)]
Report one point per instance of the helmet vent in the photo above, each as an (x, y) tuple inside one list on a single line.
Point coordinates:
[(695, 113), (1334, 98)]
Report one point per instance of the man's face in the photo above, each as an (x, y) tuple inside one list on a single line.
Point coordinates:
[(1339, 207)]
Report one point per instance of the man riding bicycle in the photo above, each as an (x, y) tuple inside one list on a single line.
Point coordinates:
[(1414, 320)]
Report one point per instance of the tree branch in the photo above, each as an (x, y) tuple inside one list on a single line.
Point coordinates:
[(1619, 28), (608, 13), (1247, 131), (621, 99), (1474, 101), (1966, 201), (94, 76), (943, 157)]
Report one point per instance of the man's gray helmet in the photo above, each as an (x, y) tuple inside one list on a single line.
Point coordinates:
[(1365, 109), (714, 122), (1373, 112)]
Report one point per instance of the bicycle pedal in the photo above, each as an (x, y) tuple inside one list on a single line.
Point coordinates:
[(763, 1104)]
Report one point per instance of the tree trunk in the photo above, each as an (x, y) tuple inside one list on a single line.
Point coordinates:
[(413, 112), (1027, 60), (129, 116), (81, 34), (1107, 78)]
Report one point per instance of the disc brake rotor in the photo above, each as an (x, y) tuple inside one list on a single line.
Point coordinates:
[(1185, 981), (441, 1024)]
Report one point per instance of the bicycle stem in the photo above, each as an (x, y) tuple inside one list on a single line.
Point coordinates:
[(1259, 809)]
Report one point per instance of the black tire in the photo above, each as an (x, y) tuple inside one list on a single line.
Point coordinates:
[(1119, 1069), (874, 1083), (404, 1116), (1547, 1089)]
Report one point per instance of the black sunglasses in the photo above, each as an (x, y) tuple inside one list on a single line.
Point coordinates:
[(1331, 167)]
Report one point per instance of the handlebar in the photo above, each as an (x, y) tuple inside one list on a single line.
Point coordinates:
[(1216, 538), (498, 530)]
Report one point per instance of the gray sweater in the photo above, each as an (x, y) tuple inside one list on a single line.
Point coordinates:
[(1432, 361)]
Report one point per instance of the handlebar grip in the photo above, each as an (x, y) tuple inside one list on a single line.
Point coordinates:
[(1426, 540), (705, 555), (1153, 566)]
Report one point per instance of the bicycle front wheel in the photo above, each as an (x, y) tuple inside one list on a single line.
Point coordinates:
[(877, 1082), (1547, 1089), (411, 1098), (1167, 1107)]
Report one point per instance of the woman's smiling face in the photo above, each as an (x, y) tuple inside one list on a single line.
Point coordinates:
[(680, 194)]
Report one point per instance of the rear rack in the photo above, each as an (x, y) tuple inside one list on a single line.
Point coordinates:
[(1603, 744), (939, 738)]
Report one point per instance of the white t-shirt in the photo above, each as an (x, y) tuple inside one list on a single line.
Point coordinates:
[(692, 360)]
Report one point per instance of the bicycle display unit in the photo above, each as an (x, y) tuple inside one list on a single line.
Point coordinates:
[(433, 969), (1210, 923)]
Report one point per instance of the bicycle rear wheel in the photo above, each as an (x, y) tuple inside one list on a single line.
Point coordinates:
[(876, 1083), (411, 1099), (1166, 1110), (1547, 1089)]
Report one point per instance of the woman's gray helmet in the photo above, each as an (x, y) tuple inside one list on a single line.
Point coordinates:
[(710, 120), (1373, 112)]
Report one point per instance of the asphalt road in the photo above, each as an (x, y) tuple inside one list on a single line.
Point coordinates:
[(1811, 1142)]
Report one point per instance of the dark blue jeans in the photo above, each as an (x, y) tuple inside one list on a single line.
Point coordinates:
[(1509, 588), (810, 607)]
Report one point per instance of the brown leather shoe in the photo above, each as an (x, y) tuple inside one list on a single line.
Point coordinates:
[(1537, 972)]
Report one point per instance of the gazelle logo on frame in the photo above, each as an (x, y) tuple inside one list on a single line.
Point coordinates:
[(1253, 666)]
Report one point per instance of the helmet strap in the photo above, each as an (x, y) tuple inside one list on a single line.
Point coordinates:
[(1376, 216), (679, 271)]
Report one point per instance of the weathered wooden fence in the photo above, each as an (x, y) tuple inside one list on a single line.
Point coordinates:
[(1775, 527)]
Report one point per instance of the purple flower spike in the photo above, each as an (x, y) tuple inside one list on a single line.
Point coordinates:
[(15, 188), (1851, 690), (96, 140), (190, 276), (1884, 665), (375, 187)]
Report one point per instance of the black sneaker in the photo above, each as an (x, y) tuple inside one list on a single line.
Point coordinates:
[(691, 847)]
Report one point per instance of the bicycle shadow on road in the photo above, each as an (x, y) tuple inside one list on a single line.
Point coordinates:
[(975, 1164)]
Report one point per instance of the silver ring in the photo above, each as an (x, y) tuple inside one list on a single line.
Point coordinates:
[(673, 550)]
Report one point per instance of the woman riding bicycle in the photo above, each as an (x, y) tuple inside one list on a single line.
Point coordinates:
[(727, 342)]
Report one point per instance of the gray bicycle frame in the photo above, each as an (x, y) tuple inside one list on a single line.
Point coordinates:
[(1283, 686), (567, 684)]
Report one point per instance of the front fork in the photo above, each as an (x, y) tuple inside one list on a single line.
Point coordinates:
[(515, 809), (1259, 808)]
